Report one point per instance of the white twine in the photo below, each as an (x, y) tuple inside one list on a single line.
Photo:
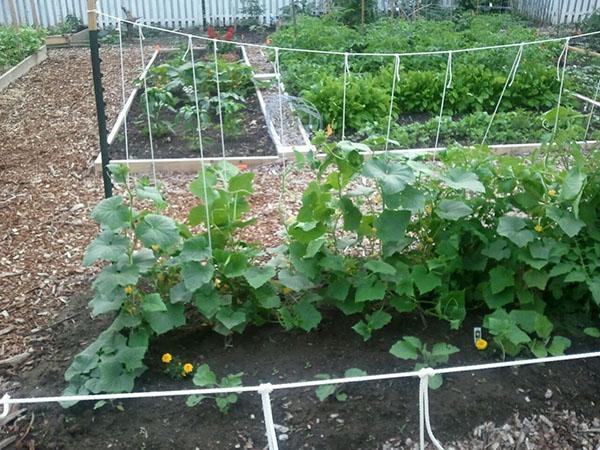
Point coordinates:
[(509, 82), (589, 121), (144, 77), (265, 394), (346, 72), (123, 99), (219, 96), (7, 401), (395, 80), (424, 422), (200, 143), (278, 76), (447, 85), (329, 52), (563, 56)]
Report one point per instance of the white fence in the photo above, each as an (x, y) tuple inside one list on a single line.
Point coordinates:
[(557, 11)]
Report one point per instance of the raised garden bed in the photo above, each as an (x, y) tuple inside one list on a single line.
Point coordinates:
[(23, 67), (76, 39)]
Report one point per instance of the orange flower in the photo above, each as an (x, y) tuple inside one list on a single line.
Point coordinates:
[(329, 130), (242, 166)]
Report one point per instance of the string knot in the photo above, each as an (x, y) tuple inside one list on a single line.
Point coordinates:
[(426, 372), (265, 388), (5, 406)]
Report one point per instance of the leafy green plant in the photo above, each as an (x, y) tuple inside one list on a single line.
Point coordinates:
[(325, 391), (206, 378), (154, 102), (17, 44), (411, 348)]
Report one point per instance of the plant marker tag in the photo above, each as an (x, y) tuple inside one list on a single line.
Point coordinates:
[(477, 334)]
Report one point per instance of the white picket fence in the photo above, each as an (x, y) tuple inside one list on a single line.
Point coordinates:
[(194, 13), (557, 11)]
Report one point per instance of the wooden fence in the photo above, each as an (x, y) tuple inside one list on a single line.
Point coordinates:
[(557, 11)]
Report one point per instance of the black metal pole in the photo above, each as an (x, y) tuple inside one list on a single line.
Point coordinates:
[(100, 105)]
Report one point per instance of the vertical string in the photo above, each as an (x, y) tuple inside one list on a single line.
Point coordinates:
[(589, 121), (219, 97), (447, 84), (123, 95), (144, 74), (424, 421), (278, 77), (394, 81), (265, 391), (346, 71), (201, 145), (561, 77), (509, 82)]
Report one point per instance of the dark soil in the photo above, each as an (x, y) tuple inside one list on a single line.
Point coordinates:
[(250, 139), (373, 413)]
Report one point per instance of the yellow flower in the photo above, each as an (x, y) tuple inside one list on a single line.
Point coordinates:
[(286, 291), (129, 290), (329, 130), (187, 368), (167, 358), (481, 344), (428, 209), (430, 239), (156, 247), (538, 228), (552, 193)]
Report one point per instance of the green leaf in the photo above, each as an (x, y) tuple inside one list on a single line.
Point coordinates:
[(452, 210), (195, 249), (514, 229), (308, 315), (258, 276), (501, 278), (572, 185), (296, 282), (195, 274), (204, 377), (112, 213), (459, 178), (559, 345), (565, 220), (157, 230), (392, 176), (352, 215), (536, 278), (242, 183), (405, 349), (424, 280), (592, 331), (363, 329), (497, 250), (594, 287), (354, 372), (391, 225), (230, 318), (194, 400), (443, 350), (403, 304), (109, 246), (208, 301), (313, 248), (369, 290), (378, 319), (325, 391), (153, 303), (378, 266), (164, 321)]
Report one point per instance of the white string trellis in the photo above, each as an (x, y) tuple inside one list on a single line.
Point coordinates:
[(561, 77), (396, 79), (218, 79), (144, 78), (345, 91), (123, 95), (200, 143), (266, 389), (509, 82), (589, 121), (447, 85)]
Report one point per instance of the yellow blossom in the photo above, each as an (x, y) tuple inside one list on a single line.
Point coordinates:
[(286, 291), (538, 228), (481, 344), (217, 282), (167, 358), (552, 193), (129, 290), (430, 239), (187, 368), (428, 209), (156, 247)]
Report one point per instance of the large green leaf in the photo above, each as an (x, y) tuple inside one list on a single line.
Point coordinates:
[(296, 282), (109, 246), (204, 377), (459, 178), (195, 274), (153, 303), (391, 225), (230, 318), (308, 316), (159, 230), (378, 266), (392, 176), (566, 221), (369, 290), (352, 215), (572, 184), (424, 280), (257, 276), (515, 230), (453, 209), (406, 348), (195, 249), (242, 183), (164, 321), (112, 213), (501, 278)]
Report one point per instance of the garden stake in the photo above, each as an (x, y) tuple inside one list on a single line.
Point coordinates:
[(99, 94)]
